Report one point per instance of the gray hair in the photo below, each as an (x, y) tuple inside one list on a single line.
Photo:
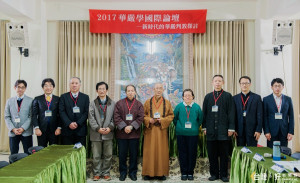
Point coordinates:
[(74, 77)]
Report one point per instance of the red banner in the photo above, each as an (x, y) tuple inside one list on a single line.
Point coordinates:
[(148, 21)]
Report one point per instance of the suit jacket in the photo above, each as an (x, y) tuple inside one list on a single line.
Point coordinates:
[(96, 123), (39, 106), (254, 115), (11, 111), (67, 116), (218, 123), (272, 125)]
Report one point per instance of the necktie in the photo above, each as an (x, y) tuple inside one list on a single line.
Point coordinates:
[(19, 99), (48, 98)]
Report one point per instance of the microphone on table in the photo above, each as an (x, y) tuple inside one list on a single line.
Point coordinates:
[(268, 155)]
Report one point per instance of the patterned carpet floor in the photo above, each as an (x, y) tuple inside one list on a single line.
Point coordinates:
[(201, 172)]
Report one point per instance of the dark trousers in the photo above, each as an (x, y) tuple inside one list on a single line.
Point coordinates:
[(187, 148), (73, 139), (15, 141), (279, 137), (47, 137), (216, 149), (124, 145), (246, 139)]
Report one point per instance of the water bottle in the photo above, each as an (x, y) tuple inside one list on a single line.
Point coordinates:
[(276, 151)]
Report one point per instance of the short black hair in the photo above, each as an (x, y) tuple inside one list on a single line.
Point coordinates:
[(128, 86), (20, 81), (277, 80), (188, 90), (102, 83), (218, 75), (245, 77), (50, 80)]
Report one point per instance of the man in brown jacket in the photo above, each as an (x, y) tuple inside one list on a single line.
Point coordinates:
[(101, 124)]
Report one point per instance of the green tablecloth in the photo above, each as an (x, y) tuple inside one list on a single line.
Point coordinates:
[(56, 163), (246, 169)]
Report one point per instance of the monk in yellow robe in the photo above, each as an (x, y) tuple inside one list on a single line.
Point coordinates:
[(158, 116)]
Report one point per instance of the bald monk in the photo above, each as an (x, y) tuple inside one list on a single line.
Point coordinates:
[(158, 116)]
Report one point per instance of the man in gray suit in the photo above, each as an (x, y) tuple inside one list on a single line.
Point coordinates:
[(17, 117), (101, 124)]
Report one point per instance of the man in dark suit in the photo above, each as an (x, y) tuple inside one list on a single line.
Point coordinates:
[(278, 115), (45, 115), (249, 113), (73, 111), (218, 125)]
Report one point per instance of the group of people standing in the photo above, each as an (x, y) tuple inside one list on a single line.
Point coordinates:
[(244, 116)]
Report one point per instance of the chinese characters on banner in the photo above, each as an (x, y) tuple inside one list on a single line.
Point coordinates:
[(148, 21)]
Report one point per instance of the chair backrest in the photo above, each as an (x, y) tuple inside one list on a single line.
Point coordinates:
[(286, 150), (15, 157), (3, 164), (35, 149)]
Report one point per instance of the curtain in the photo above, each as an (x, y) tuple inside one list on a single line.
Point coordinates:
[(296, 84), (224, 50), (4, 83), (82, 54)]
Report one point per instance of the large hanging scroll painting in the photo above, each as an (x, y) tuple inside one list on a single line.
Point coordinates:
[(145, 59)]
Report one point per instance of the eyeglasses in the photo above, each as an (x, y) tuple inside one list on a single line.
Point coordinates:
[(244, 83), (21, 87), (187, 96)]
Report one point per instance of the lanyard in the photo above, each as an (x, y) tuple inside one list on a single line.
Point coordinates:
[(218, 97), (187, 113), (48, 103), (154, 101), (102, 108), (278, 106), (244, 103), (129, 108), (73, 98), (19, 107)]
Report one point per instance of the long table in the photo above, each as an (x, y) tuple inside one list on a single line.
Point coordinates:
[(246, 169), (56, 163)]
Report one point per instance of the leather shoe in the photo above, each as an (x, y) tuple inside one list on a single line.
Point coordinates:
[(225, 179), (133, 177), (212, 178), (190, 177), (122, 177), (184, 177), (96, 177), (161, 177), (106, 177), (147, 177)]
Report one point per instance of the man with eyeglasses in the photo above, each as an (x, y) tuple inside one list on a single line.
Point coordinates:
[(17, 117), (278, 115), (45, 115), (249, 110)]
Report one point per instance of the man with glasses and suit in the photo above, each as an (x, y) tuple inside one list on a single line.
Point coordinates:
[(17, 117), (45, 115)]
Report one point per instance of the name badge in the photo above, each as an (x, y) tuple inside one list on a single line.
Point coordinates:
[(246, 150), (188, 124), (76, 109), (48, 113), (278, 115), (258, 157), (214, 108), (278, 168), (156, 115), (244, 113), (17, 119), (129, 117)]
